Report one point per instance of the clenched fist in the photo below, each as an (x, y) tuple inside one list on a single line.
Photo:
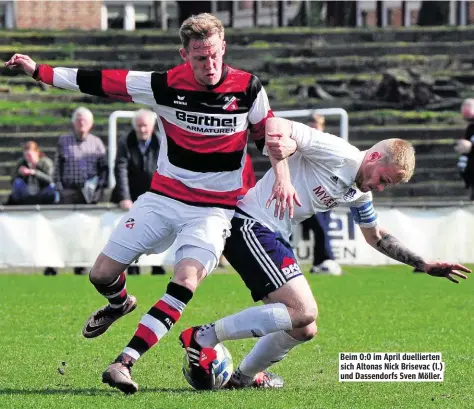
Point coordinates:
[(22, 62)]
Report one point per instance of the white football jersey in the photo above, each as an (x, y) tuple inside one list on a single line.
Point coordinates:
[(323, 172)]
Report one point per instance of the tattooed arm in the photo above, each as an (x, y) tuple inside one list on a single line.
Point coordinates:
[(392, 248), (387, 244)]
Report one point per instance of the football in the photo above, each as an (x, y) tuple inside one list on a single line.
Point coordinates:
[(222, 369)]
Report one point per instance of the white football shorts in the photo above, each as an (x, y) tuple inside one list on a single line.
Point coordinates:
[(155, 222)]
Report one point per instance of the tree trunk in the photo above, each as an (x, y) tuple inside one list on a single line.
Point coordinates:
[(433, 13), (188, 8), (340, 13)]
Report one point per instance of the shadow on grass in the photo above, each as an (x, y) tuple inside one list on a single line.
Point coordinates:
[(88, 391)]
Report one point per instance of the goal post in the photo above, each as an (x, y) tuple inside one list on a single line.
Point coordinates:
[(299, 113)]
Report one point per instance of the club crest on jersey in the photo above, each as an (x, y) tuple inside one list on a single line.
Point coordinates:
[(130, 223), (324, 198), (349, 195), (231, 104), (290, 267)]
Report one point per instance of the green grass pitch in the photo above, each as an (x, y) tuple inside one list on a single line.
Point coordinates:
[(369, 309)]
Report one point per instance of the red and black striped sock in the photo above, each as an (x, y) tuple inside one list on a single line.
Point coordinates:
[(115, 292), (155, 324)]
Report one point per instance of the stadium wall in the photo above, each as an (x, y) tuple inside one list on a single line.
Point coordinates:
[(58, 15), (58, 237)]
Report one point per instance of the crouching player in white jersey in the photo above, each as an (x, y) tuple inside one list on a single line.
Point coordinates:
[(326, 172)]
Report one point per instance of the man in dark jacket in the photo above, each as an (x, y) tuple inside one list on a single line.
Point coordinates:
[(464, 146), (135, 165)]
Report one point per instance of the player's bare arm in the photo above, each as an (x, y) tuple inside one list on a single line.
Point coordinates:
[(22, 62), (283, 191), (387, 244), (278, 138)]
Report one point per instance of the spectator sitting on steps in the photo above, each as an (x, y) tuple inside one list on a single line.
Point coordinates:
[(32, 180)]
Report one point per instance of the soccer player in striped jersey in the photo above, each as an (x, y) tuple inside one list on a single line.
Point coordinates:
[(205, 110), (327, 172)]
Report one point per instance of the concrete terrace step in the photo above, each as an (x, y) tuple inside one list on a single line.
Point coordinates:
[(4, 193), (235, 53), (293, 35), (374, 133), (7, 168), (356, 64), (357, 134), (444, 190), (439, 174), (5, 183), (430, 165), (44, 140), (285, 104), (334, 80), (291, 66), (13, 154)]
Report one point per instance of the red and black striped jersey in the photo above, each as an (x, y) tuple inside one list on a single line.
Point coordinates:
[(203, 130)]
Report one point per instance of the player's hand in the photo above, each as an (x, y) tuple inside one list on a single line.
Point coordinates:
[(285, 196), (280, 147), (126, 204), (463, 146), (446, 270), (22, 62)]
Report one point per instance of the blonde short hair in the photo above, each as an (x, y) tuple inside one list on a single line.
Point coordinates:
[(400, 153), (199, 27)]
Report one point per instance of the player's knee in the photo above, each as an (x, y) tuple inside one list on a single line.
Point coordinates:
[(309, 332), (306, 333), (305, 317), (103, 271), (189, 273), (98, 276)]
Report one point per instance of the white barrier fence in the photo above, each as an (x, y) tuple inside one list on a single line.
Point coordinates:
[(65, 238)]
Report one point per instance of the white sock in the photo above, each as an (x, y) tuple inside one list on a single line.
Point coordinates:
[(206, 336), (269, 350), (254, 322)]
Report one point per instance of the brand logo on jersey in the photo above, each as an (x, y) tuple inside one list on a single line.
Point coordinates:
[(324, 198), (208, 120), (334, 179), (130, 223), (290, 267), (254, 333), (180, 100), (231, 104), (349, 195)]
